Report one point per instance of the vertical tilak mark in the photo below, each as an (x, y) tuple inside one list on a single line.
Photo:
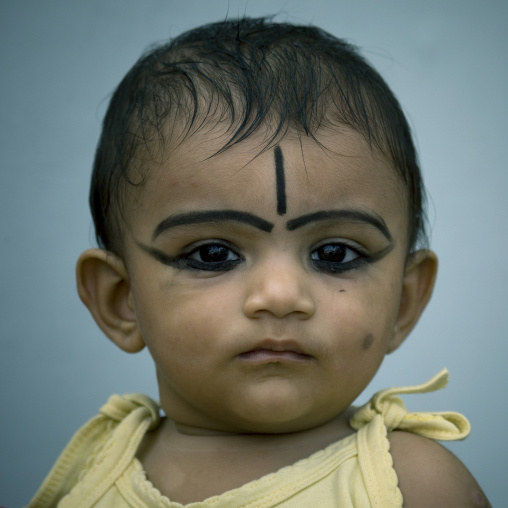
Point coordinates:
[(281, 181)]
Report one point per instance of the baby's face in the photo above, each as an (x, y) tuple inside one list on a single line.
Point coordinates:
[(267, 288)]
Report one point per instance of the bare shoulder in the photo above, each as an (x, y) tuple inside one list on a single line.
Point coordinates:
[(430, 475)]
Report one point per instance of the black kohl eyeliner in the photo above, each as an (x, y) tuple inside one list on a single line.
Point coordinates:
[(184, 263)]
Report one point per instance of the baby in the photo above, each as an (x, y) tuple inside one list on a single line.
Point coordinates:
[(259, 210)]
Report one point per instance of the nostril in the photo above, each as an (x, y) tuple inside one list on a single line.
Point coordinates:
[(279, 300)]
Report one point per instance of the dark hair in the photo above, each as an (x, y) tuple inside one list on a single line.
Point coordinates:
[(246, 71)]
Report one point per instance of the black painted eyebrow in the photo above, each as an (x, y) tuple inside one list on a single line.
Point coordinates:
[(184, 219), (351, 215)]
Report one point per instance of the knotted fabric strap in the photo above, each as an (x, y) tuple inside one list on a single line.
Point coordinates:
[(118, 407), (98, 453), (132, 416), (442, 426)]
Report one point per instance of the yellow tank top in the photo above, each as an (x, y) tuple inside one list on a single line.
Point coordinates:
[(98, 468)]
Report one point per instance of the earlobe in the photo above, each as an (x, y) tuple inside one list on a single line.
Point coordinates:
[(103, 286), (418, 284)]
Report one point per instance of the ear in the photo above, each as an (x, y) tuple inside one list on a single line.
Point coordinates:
[(103, 286), (417, 287)]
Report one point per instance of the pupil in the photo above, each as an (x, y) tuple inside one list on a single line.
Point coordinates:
[(334, 253), (213, 253)]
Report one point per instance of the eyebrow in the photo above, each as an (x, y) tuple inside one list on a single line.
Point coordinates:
[(369, 217), (184, 219)]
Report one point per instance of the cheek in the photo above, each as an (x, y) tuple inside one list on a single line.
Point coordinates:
[(362, 320), (179, 325)]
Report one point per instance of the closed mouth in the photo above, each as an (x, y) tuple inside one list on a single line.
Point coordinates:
[(270, 350), (271, 356)]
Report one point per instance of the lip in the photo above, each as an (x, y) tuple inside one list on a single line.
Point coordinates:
[(276, 351)]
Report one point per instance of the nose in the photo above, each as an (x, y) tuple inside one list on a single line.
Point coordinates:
[(279, 289)]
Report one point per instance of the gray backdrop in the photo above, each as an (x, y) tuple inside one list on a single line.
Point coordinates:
[(446, 61)]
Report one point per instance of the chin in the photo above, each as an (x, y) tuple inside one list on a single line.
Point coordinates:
[(280, 419)]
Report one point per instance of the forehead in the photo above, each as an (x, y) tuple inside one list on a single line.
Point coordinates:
[(297, 175)]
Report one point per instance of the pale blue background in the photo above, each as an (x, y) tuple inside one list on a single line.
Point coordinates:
[(447, 62)]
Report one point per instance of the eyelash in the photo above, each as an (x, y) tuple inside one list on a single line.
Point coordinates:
[(338, 267), (185, 261)]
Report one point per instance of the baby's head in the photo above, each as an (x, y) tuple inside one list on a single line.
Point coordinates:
[(247, 77), (258, 202)]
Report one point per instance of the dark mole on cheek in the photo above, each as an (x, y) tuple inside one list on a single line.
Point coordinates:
[(367, 342)]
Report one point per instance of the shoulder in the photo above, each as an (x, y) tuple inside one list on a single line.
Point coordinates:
[(430, 475)]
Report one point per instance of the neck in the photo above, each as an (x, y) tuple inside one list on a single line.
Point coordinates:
[(185, 435)]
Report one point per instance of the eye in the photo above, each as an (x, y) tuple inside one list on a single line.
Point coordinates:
[(213, 256), (213, 253), (337, 257)]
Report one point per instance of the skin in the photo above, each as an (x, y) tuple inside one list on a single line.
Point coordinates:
[(202, 327), (264, 322)]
